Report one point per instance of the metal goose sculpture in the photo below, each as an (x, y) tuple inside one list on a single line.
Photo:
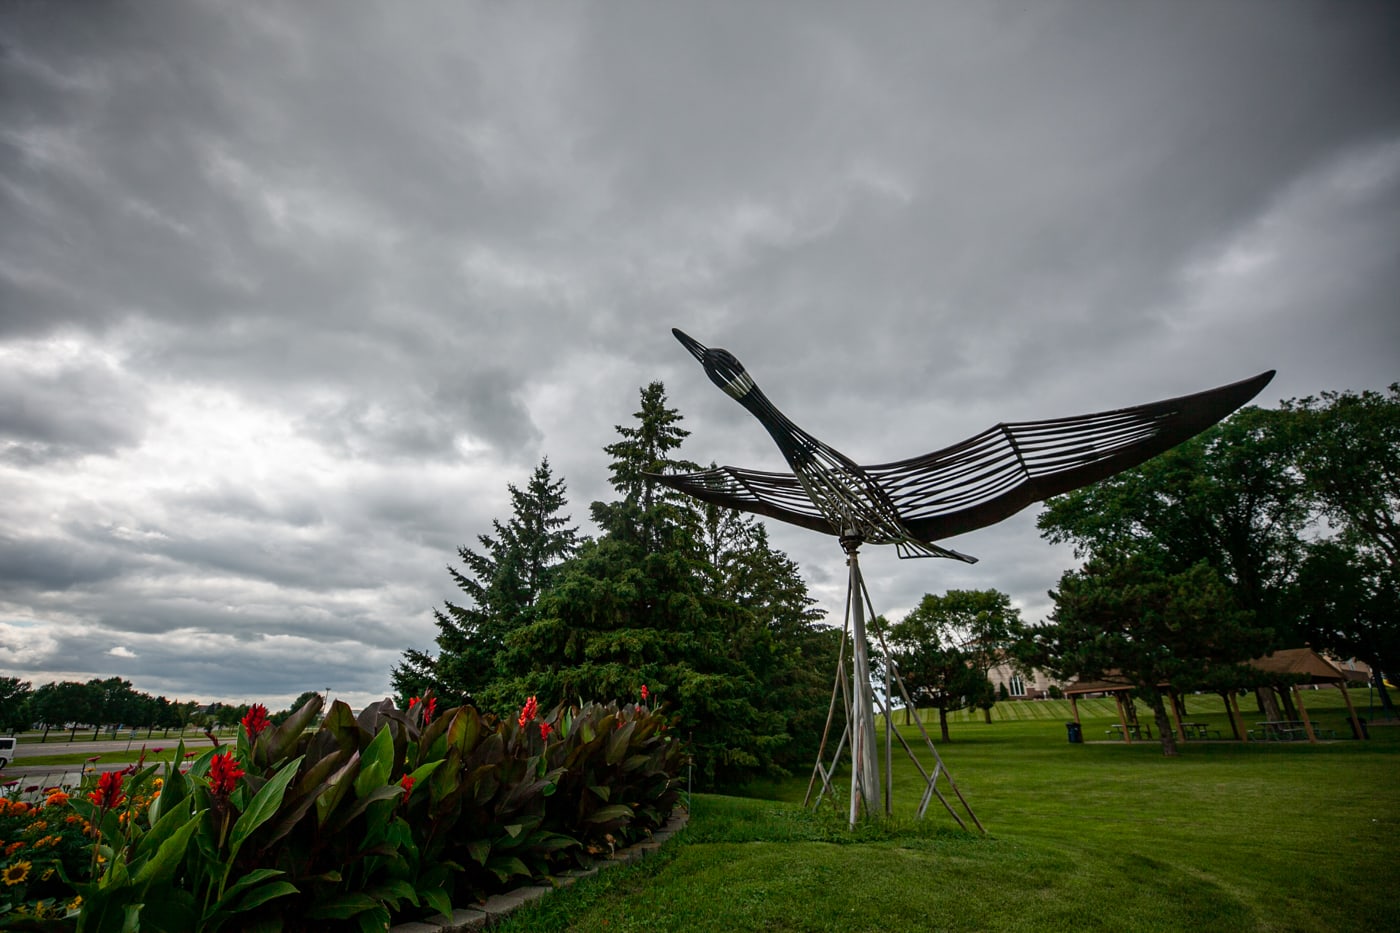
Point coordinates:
[(978, 482)]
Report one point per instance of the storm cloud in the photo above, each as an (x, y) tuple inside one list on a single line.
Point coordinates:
[(289, 293)]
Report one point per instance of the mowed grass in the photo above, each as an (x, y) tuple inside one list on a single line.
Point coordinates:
[(1099, 836)]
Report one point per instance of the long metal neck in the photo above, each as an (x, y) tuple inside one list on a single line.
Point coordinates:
[(796, 444)]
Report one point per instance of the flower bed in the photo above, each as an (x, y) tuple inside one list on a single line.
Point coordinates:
[(391, 815)]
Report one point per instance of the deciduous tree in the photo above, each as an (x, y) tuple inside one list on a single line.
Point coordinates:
[(1125, 613), (946, 645), (14, 702)]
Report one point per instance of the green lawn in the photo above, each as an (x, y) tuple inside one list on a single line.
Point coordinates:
[(1100, 836)]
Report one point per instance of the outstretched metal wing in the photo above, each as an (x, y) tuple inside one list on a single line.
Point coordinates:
[(992, 475), (777, 495)]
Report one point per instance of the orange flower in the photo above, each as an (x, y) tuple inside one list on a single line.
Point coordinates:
[(12, 848), (56, 799)]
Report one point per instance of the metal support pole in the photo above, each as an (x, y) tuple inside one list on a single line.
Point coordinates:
[(865, 767)]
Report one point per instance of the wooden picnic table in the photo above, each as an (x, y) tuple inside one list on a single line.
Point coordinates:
[(1198, 730), (1282, 730), (1136, 731)]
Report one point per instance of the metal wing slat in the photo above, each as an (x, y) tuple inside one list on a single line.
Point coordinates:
[(1002, 470), (777, 495)]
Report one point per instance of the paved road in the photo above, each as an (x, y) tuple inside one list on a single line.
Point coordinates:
[(70, 774), (103, 746)]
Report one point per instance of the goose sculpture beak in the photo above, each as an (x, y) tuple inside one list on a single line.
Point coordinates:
[(696, 348)]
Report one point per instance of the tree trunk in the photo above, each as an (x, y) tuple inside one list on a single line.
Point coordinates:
[(1291, 713), (987, 714), (906, 716), (1267, 707), (1164, 726), (943, 722), (1230, 714), (45, 737)]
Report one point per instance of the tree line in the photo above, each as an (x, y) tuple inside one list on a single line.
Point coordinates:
[(111, 702)]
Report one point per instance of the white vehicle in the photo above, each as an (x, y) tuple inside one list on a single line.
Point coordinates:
[(7, 749)]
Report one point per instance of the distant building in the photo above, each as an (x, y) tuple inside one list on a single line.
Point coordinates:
[(1021, 684)]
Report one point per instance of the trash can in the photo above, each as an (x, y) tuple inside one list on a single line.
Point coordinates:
[(1076, 733)]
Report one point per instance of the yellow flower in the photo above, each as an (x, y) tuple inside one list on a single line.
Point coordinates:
[(16, 873), (75, 904), (48, 873)]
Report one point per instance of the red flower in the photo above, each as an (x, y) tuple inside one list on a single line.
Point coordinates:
[(407, 782), (109, 790), (545, 730), (527, 712), (224, 774), (429, 707), (644, 693), (256, 720)]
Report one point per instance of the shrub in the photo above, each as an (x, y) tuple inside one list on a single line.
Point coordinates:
[(359, 822)]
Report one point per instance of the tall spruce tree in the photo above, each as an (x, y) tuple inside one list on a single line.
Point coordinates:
[(655, 518), (696, 605), (645, 605), (503, 582)]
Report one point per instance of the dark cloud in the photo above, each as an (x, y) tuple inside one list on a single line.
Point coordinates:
[(286, 300), (59, 411)]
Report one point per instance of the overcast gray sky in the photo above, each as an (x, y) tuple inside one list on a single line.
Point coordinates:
[(290, 292)]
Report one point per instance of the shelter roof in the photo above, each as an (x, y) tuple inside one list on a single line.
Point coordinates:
[(1303, 662), (1113, 682)]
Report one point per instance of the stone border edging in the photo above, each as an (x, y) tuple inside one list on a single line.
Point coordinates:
[(499, 906)]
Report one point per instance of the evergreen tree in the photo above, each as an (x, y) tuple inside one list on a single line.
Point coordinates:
[(503, 581), (655, 518), (698, 611), (694, 604)]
